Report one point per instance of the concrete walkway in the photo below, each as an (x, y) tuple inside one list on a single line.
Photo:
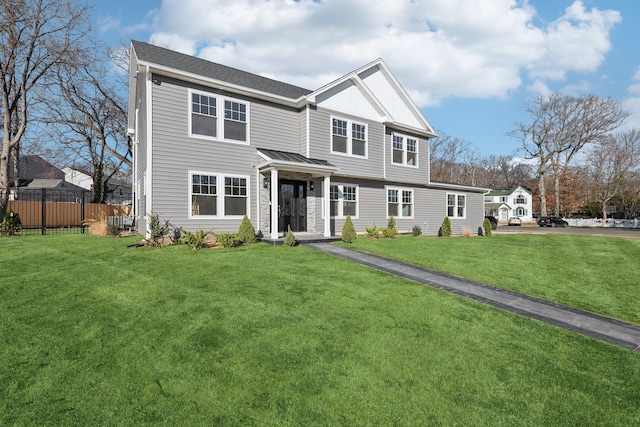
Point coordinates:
[(613, 331)]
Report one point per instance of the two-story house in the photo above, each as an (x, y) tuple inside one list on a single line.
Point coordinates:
[(213, 143), (505, 203)]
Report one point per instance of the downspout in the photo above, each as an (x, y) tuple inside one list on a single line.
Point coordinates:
[(149, 165)]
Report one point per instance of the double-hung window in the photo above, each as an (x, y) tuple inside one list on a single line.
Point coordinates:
[(343, 200), (217, 195), (204, 195), (348, 137), (404, 150), (456, 205), (399, 203), (204, 115), (207, 121), (235, 196)]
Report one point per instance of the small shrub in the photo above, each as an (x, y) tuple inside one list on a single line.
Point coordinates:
[(416, 231), (11, 224), (445, 228), (228, 240), (114, 230), (348, 231), (246, 232), (466, 232), (157, 230), (390, 232), (488, 231), (391, 223), (197, 240), (373, 232), (290, 239)]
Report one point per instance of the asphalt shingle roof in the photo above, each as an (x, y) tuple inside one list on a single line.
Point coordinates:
[(190, 64)]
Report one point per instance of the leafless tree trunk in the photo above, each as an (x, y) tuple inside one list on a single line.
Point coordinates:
[(36, 36)]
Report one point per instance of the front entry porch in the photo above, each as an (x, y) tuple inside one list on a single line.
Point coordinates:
[(294, 192)]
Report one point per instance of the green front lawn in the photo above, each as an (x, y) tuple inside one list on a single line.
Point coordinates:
[(596, 274), (94, 333)]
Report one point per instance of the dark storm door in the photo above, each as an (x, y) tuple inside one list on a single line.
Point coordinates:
[(292, 206)]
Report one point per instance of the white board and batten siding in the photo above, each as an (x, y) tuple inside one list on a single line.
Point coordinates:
[(390, 96)]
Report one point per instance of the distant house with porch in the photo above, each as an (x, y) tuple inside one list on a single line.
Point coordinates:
[(504, 203)]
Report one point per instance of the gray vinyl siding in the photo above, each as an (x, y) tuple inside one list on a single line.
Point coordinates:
[(274, 127), (429, 208), (351, 166), (408, 174), (432, 210), (175, 154)]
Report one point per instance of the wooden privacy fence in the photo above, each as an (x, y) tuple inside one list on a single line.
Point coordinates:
[(51, 209), (63, 214)]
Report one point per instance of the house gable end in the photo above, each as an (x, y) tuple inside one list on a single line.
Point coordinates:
[(374, 93)]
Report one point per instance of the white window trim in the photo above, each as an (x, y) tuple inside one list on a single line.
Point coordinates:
[(404, 150), (219, 195), (400, 190), (220, 107), (350, 124), (455, 207), (341, 186)]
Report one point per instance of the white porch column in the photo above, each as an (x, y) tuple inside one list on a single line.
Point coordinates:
[(274, 204), (326, 205)]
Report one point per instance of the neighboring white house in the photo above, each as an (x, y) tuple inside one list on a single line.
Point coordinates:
[(78, 178), (504, 203)]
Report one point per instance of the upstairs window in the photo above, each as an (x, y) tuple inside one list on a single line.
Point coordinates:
[(339, 143), (235, 121), (206, 121), (204, 115), (404, 150), (348, 137), (521, 200)]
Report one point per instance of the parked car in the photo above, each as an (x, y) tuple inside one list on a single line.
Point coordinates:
[(552, 221), (493, 220), (514, 220)]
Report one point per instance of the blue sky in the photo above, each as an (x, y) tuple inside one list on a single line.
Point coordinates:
[(471, 65)]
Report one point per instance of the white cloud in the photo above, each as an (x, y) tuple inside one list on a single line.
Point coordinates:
[(632, 103), (436, 48)]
